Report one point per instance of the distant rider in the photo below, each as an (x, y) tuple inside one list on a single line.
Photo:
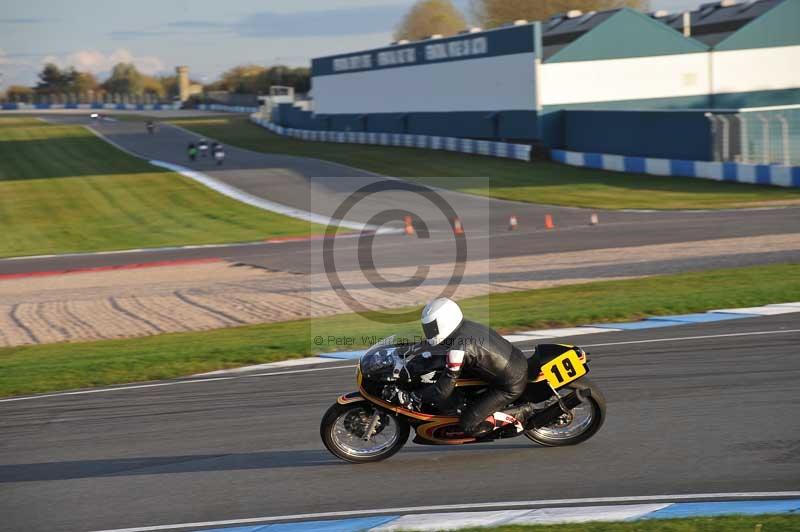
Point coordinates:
[(192, 150), (477, 351), (151, 127), (202, 146), (218, 152)]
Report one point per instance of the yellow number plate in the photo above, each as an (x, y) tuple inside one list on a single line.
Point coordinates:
[(564, 369)]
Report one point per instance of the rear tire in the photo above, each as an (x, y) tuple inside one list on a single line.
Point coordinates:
[(340, 428), (587, 417)]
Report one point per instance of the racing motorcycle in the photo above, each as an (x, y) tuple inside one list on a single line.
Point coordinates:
[(374, 422)]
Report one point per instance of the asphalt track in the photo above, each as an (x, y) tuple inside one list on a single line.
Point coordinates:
[(711, 409), (321, 187)]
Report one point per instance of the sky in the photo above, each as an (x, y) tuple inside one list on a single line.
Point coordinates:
[(207, 35)]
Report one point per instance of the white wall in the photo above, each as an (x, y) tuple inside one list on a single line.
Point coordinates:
[(607, 80), (497, 83), (756, 69)]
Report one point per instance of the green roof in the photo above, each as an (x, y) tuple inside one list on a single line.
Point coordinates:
[(780, 26), (628, 33)]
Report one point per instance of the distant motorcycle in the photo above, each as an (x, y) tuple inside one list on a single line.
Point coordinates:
[(219, 156), (374, 422)]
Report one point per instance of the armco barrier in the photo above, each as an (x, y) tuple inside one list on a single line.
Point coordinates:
[(756, 174), (521, 152)]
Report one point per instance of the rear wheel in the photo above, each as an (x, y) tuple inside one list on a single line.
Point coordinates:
[(344, 431), (576, 426)]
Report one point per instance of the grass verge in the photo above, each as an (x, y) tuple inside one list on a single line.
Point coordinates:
[(64, 190), (732, 523), (32, 369), (540, 182)]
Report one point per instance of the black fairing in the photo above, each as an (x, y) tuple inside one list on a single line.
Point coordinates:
[(547, 352), (425, 362)]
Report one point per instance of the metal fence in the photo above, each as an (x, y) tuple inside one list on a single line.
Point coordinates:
[(768, 135)]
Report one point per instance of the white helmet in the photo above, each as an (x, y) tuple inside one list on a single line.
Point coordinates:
[(440, 318)]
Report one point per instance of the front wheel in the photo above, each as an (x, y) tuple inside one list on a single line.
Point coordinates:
[(579, 424), (344, 432)]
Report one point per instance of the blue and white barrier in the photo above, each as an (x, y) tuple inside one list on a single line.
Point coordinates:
[(755, 174), (506, 150), (97, 105), (227, 108)]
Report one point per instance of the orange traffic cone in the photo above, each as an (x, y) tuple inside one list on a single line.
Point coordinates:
[(409, 226), (593, 220), (548, 221), (512, 222), (458, 229)]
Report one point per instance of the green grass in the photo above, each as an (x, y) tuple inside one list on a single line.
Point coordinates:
[(540, 182), (51, 367), (732, 523), (64, 190)]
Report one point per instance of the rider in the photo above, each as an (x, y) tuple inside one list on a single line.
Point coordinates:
[(150, 126), (476, 350), (218, 152)]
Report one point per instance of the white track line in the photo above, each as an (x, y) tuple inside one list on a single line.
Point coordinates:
[(309, 370), (755, 333), (445, 507), (679, 339)]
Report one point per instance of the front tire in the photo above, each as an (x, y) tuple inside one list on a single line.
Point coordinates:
[(579, 425), (343, 430)]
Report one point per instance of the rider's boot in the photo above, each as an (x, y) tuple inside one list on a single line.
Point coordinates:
[(484, 428), (521, 413)]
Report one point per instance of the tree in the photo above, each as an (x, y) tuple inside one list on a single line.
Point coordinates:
[(52, 80), (81, 82), (299, 78), (256, 79), (169, 84), (429, 17), (125, 79), (493, 13), (19, 93), (153, 86), (242, 79)]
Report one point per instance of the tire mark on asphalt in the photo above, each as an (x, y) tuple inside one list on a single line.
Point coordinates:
[(18, 322), (119, 308), (216, 313)]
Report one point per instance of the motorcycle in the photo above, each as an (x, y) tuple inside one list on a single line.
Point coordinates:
[(374, 423)]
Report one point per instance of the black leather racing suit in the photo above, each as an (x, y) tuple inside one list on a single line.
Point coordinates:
[(475, 350)]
